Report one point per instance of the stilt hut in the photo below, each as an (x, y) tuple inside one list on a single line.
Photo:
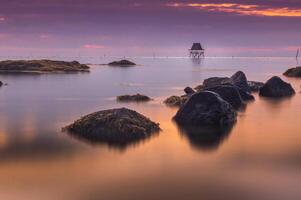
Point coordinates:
[(196, 50)]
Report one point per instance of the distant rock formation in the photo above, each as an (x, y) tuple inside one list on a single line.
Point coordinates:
[(293, 72), (134, 98), (122, 63), (41, 66), (115, 126), (276, 87), (175, 101)]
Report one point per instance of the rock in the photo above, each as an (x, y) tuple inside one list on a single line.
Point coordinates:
[(136, 98), (122, 63), (175, 101), (215, 81), (239, 79), (199, 88), (189, 91), (293, 72), (114, 126), (206, 108), (276, 87), (1, 83), (41, 66), (255, 86), (228, 93)]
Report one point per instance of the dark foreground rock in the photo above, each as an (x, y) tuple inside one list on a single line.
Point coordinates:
[(41, 66), (175, 101), (134, 98), (228, 93), (255, 85), (122, 63), (119, 126), (206, 108), (293, 72), (276, 87)]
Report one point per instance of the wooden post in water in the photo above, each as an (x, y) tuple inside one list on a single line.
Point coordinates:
[(196, 51)]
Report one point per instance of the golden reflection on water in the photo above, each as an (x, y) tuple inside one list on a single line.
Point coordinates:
[(258, 159)]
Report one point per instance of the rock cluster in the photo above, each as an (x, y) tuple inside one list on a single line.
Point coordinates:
[(122, 63), (133, 98)]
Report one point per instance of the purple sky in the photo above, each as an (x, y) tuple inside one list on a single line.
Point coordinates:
[(141, 28)]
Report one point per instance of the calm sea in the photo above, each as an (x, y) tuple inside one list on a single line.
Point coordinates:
[(260, 158)]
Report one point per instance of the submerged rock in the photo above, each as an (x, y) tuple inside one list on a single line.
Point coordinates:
[(114, 126), (122, 63), (239, 79), (136, 98), (228, 93), (41, 66), (293, 72), (189, 91), (175, 101), (255, 85), (276, 87), (206, 108)]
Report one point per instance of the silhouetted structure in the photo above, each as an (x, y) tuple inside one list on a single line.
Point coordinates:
[(196, 50)]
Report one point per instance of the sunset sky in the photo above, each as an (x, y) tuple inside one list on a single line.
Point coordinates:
[(141, 28)]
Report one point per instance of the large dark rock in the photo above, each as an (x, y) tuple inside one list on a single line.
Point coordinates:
[(114, 126), (228, 93), (135, 98), (41, 66), (206, 108), (175, 101), (239, 79), (276, 87), (293, 72), (255, 85), (122, 63), (215, 81)]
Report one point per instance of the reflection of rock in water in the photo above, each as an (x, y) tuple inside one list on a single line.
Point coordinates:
[(113, 145), (205, 138)]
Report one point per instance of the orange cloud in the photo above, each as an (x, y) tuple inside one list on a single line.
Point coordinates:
[(93, 46), (243, 9)]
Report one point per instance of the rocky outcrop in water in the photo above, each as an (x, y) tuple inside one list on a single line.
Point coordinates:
[(215, 81), (41, 66), (229, 93), (175, 101), (293, 72), (276, 87), (118, 126), (133, 98), (189, 91), (122, 63), (206, 108), (239, 79)]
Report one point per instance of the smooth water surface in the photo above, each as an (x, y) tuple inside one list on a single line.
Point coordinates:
[(260, 158)]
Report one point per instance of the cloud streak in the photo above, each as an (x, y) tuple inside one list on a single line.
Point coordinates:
[(242, 9)]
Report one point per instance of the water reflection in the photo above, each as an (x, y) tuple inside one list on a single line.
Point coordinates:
[(205, 138), (120, 146)]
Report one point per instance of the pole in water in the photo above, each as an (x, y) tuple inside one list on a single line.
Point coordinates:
[(297, 55)]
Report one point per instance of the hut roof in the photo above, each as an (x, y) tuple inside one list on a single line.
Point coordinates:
[(196, 46)]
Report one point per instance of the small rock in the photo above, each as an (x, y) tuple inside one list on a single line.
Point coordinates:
[(293, 72), (136, 98), (114, 126), (122, 63), (199, 88), (189, 91), (255, 85), (206, 108), (175, 101), (276, 87)]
